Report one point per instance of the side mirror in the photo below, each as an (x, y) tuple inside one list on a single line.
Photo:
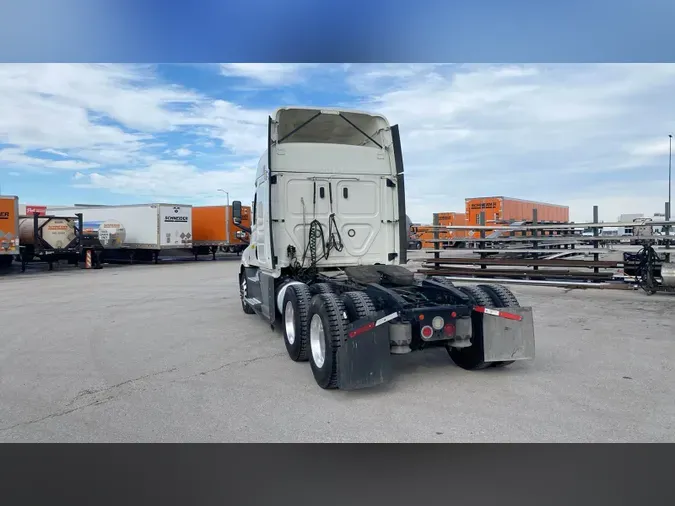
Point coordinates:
[(236, 211)]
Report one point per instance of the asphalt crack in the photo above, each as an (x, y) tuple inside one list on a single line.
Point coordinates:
[(230, 364), (105, 399), (87, 393)]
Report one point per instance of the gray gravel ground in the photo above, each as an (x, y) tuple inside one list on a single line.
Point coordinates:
[(164, 353)]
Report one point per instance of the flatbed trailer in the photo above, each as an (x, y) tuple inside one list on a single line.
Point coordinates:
[(327, 259)]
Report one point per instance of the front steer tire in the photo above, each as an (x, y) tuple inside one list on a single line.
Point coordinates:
[(328, 328), (245, 306), (295, 313)]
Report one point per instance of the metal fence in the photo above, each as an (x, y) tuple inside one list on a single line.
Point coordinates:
[(544, 252)]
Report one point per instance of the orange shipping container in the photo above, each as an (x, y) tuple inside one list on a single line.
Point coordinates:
[(213, 225), (9, 226), (425, 233), (505, 210), (453, 219)]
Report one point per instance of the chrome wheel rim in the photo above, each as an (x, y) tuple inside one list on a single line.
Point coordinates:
[(289, 320), (317, 341)]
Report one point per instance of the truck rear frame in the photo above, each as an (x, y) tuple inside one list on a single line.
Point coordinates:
[(348, 317)]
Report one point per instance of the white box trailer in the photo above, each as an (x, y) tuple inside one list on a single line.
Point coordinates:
[(156, 226)]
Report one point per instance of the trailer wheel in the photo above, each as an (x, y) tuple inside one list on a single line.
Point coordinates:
[(327, 329), (296, 321), (501, 297), (318, 288), (242, 294), (471, 358), (418, 245), (358, 305)]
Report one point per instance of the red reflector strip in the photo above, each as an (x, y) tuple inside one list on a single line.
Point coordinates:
[(495, 312), (361, 330)]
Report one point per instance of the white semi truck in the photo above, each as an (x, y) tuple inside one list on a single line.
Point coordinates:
[(328, 252)]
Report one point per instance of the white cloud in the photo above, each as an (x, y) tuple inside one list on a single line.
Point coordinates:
[(620, 198), (530, 131), (367, 78), (110, 115), (650, 148), (571, 134), (267, 74), (182, 152), (16, 158), (174, 180), (241, 130)]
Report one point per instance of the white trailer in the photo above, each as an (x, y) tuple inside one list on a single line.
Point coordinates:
[(153, 227)]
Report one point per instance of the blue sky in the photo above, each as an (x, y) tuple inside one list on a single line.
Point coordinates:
[(576, 134)]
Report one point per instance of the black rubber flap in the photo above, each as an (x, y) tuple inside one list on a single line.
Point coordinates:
[(365, 360)]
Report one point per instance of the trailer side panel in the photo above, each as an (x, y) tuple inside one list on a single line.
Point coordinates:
[(9, 225)]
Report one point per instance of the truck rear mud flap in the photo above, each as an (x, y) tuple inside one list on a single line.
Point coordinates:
[(508, 334), (364, 358)]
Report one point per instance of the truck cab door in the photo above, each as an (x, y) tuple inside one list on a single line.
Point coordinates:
[(264, 235), (264, 218), (263, 228)]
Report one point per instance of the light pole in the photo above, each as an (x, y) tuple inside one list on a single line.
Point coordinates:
[(227, 194), (670, 168)]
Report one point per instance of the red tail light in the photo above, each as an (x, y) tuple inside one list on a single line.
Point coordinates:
[(427, 331), (449, 329)]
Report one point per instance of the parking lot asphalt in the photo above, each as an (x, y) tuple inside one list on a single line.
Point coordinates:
[(151, 353)]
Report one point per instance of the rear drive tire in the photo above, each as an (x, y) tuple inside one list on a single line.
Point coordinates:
[(296, 321), (327, 329), (358, 305), (471, 358), (242, 294), (317, 288), (442, 281), (501, 297)]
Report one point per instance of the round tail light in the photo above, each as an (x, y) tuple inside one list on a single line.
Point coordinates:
[(427, 332)]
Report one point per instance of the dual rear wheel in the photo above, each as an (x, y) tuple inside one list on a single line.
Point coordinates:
[(315, 325), (494, 296)]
